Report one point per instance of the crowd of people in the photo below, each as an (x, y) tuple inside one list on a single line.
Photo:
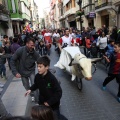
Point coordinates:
[(23, 52)]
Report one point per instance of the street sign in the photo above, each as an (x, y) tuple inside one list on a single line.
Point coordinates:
[(92, 15)]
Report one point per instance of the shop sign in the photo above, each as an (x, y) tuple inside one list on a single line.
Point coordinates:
[(92, 15)]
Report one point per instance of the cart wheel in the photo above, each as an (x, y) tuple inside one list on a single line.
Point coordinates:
[(79, 83)]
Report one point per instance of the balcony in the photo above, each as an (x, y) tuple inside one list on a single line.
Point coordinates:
[(6, 12), (4, 15), (116, 2), (103, 6), (70, 12), (89, 8)]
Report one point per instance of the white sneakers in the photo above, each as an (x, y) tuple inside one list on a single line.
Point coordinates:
[(1, 85), (33, 99)]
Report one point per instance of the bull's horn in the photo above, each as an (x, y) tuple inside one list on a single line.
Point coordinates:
[(93, 60)]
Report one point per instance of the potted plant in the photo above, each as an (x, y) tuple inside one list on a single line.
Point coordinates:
[(80, 12)]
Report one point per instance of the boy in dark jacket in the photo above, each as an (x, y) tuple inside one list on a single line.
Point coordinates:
[(49, 88)]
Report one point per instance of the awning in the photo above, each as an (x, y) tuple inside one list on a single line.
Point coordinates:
[(71, 18), (18, 19)]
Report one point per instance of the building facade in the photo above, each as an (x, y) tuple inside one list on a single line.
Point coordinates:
[(117, 6), (34, 15), (105, 14), (5, 23), (15, 15), (89, 13), (67, 9), (26, 16), (47, 19)]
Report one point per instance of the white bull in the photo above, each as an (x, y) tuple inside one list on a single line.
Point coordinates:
[(79, 60)]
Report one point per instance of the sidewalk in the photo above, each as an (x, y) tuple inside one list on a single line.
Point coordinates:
[(13, 94), (4, 81), (14, 99)]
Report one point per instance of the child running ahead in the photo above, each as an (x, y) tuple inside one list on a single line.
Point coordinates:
[(114, 69), (49, 88)]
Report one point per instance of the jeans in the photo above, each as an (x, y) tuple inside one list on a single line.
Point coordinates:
[(29, 81), (9, 59), (110, 78), (3, 69)]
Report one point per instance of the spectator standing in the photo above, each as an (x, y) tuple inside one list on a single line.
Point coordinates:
[(2, 63), (5, 39), (42, 48), (8, 52), (15, 45), (102, 43), (40, 36)]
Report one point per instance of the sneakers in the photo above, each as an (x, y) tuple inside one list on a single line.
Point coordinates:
[(4, 77), (104, 88), (33, 99), (118, 99)]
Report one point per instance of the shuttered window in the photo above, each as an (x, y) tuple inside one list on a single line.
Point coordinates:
[(13, 6)]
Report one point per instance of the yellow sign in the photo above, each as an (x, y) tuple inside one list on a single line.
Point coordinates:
[(99, 2)]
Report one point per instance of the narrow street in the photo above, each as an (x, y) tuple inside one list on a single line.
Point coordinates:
[(91, 103)]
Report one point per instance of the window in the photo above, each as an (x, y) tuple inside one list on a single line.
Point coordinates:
[(13, 6), (68, 6), (73, 3)]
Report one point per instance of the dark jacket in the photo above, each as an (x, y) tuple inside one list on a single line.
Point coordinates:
[(14, 47), (26, 61), (7, 50), (50, 90), (3, 58), (42, 49)]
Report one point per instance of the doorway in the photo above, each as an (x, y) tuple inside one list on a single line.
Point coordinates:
[(105, 20)]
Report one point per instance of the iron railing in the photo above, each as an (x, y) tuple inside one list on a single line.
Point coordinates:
[(103, 5)]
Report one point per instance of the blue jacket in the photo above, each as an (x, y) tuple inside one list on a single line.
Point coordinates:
[(110, 49)]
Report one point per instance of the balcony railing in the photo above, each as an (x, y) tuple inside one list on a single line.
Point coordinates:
[(116, 1), (6, 12), (103, 5), (70, 11)]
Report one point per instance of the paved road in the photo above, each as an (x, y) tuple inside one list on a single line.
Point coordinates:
[(89, 104)]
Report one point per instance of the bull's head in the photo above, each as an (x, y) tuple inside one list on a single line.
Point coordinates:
[(85, 65)]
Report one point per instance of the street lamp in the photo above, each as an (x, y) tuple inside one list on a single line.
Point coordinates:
[(79, 2)]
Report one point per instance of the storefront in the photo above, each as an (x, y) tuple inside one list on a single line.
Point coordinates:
[(3, 24), (90, 18), (72, 21)]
